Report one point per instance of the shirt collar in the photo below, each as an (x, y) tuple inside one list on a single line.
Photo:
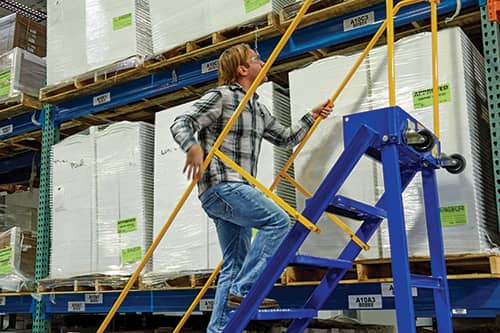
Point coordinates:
[(237, 86)]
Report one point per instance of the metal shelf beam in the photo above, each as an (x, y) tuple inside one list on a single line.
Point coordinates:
[(469, 298)]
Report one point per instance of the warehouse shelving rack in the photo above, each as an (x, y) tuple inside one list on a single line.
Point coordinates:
[(469, 297)]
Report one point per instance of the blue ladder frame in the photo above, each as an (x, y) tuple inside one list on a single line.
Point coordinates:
[(380, 134)]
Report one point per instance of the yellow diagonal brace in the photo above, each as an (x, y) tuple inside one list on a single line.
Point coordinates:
[(290, 210), (332, 217)]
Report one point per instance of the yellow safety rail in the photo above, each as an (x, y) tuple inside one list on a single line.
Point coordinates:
[(283, 173), (208, 159)]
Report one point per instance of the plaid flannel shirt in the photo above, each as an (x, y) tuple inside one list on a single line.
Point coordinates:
[(210, 114)]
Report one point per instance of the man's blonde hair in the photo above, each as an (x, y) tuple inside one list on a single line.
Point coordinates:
[(229, 61)]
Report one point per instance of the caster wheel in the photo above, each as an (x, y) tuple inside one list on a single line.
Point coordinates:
[(459, 165), (427, 144)]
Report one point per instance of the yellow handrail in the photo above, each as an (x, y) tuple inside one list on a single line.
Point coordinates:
[(208, 159), (390, 52), (283, 172), (435, 80)]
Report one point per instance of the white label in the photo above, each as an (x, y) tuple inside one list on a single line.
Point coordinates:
[(359, 21), (206, 304), (2, 300), (76, 306), (388, 290), (93, 298), (365, 302), (210, 66), (459, 311), (6, 129), (101, 99)]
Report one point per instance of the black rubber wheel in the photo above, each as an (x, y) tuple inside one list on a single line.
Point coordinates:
[(459, 166), (428, 144)]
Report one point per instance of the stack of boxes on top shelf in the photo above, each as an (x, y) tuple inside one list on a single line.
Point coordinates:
[(107, 36), (469, 223), (22, 48), (18, 217)]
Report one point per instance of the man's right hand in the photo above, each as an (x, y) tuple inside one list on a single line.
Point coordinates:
[(194, 162)]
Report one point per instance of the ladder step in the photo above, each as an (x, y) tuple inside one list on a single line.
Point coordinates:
[(276, 314), (353, 209), (423, 281), (303, 260)]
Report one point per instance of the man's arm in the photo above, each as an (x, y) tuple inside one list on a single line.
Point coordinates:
[(203, 113), (283, 136)]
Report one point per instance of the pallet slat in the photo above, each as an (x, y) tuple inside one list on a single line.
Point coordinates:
[(379, 270)]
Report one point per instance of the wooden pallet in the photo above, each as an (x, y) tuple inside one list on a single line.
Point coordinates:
[(84, 283), (17, 105), (461, 266), (262, 27), (95, 80), (168, 281)]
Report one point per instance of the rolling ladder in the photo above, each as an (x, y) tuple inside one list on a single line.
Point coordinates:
[(404, 148)]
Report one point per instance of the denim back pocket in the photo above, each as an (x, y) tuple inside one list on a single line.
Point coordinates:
[(217, 207)]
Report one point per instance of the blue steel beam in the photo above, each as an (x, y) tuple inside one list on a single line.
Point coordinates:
[(323, 34), (479, 297)]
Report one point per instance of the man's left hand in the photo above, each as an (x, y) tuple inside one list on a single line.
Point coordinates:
[(323, 110)]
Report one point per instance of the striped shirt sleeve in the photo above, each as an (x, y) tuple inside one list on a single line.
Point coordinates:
[(203, 113), (284, 136)]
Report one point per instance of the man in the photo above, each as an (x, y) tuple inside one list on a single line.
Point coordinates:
[(236, 206)]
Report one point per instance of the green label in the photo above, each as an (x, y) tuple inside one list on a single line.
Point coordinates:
[(5, 268), (131, 255), (251, 5), (453, 215), (5, 82), (127, 225), (5, 255), (122, 21), (423, 98)]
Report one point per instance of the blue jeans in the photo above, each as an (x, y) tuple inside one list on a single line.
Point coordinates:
[(236, 208)]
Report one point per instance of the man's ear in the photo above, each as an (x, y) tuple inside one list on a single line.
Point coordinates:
[(242, 70)]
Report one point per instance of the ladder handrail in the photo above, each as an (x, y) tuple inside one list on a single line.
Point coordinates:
[(283, 173), (251, 90)]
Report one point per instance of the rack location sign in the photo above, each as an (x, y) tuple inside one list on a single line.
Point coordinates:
[(365, 302), (359, 21), (206, 304)]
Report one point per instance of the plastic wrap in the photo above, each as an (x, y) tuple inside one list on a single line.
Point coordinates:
[(19, 209), (17, 260), (100, 33), (469, 226), (102, 201), (66, 45), (175, 23), (116, 30), (19, 31), (191, 245), (20, 72)]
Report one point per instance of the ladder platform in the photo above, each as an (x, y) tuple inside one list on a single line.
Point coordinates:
[(277, 314), (303, 260), (353, 209), (423, 281)]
